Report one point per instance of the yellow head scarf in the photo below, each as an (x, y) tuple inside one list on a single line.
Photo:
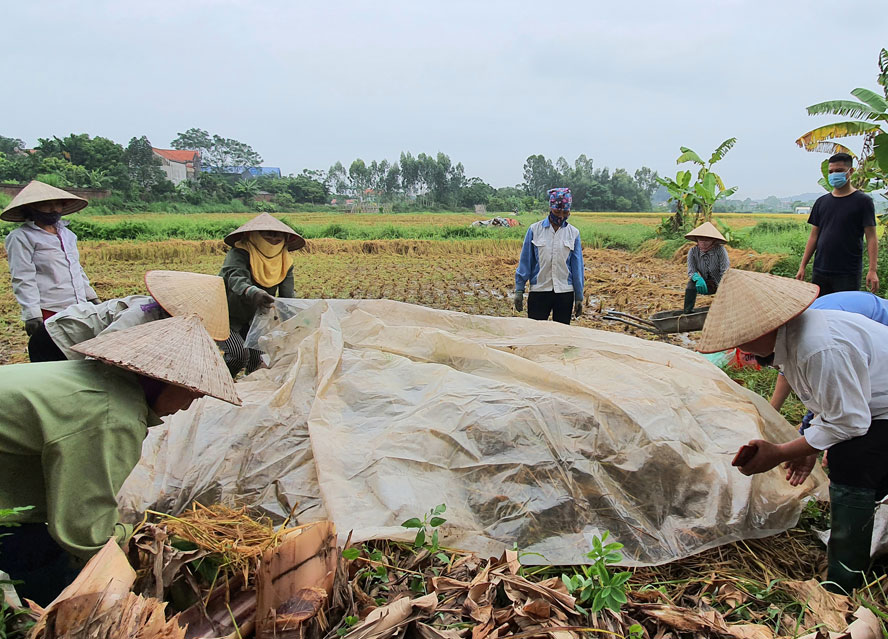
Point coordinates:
[(269, 262)]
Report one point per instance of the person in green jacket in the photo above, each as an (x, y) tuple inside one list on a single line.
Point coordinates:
[(257, 269), (71, 432)]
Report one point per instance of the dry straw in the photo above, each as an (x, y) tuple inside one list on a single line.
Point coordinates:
[(265, 222), (748, 305), (177, 350), (239, 539), (35, 193), (181, 293)]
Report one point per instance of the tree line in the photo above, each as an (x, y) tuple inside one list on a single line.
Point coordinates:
[(421, 182)]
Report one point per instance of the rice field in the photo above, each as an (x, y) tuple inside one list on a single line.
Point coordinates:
[(433, 259), (473, 276)]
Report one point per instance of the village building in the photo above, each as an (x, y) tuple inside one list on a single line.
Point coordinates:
[(178, 165)]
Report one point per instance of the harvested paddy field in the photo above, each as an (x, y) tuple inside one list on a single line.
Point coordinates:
[(472, 276)]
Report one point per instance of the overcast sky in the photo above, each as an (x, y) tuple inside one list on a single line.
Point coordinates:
[(487, 82)]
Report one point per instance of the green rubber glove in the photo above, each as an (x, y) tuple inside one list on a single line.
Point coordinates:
[(700, 284)]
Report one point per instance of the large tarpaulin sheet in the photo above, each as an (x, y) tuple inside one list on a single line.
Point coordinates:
[(532, 433)]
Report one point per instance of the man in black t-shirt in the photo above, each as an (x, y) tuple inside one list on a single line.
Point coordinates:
[(839, 221)]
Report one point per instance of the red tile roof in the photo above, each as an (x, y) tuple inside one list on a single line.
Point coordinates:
[(176, 156)]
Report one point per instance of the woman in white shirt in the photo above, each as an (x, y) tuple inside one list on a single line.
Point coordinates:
[(43, 261)]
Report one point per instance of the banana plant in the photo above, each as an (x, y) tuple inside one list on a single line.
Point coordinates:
[(682, 195), (709, 186), (708, 191), (688, 155), (869, 119)]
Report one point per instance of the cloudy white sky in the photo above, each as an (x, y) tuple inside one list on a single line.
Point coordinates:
[(307, 83)]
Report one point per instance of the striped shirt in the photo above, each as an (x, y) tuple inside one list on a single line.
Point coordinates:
[(711, 265)]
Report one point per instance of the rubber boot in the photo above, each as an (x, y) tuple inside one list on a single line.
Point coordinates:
[(850, 537), (690, 297)]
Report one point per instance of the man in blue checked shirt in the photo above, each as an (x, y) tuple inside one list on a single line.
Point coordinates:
[(552, 261)]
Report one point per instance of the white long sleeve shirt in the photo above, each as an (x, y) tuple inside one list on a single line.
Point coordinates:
[(837, 363), (80, 322), (45, 269), (551, 260)]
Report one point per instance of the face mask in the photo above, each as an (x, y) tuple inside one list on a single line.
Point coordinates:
[(837, 180), (46, 219), (765, 362), (557, 220)]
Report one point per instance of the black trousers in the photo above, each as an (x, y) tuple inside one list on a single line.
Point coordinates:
[(30, 555), (691, 293), (41, 348), (541, 303), (861, 462), (835, 283)]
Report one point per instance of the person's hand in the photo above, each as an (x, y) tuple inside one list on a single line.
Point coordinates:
[(578, 308), (872, 281), (766, 457), (33, 325), (259, 298), (700, 284), (797, 470), (800, 275), (518, 300), (823, 462)]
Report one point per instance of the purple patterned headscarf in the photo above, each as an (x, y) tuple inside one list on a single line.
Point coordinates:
[(560, 199)]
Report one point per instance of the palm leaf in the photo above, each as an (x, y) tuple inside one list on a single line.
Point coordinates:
[(810, 140), (718, 180), (883, 67), (722, 150), (687, 155), (846, 108), (876, 101), (830, 147), (880, 151)]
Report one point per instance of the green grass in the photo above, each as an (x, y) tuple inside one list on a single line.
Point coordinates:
[(782, 235), (431, 226)]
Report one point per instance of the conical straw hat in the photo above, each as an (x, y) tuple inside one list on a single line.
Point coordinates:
[(36, 192), (180, 293), (177, 350), (747, 305), (706, 230), (265, 222)]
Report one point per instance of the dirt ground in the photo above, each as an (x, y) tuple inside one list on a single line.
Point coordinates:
[(471, 276)]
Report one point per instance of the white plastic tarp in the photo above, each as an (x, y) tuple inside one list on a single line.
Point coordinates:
[(532, 433)]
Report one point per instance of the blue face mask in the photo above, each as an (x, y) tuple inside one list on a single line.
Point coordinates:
[(837, 180)]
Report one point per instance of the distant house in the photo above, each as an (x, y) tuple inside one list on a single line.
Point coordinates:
[(244, 172), (803, 210), (178, 165)]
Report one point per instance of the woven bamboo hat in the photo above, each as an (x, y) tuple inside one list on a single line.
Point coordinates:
[(176, 350), (180, 293), (265, 222), (36, 192), (706, 231), (748, 305)]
